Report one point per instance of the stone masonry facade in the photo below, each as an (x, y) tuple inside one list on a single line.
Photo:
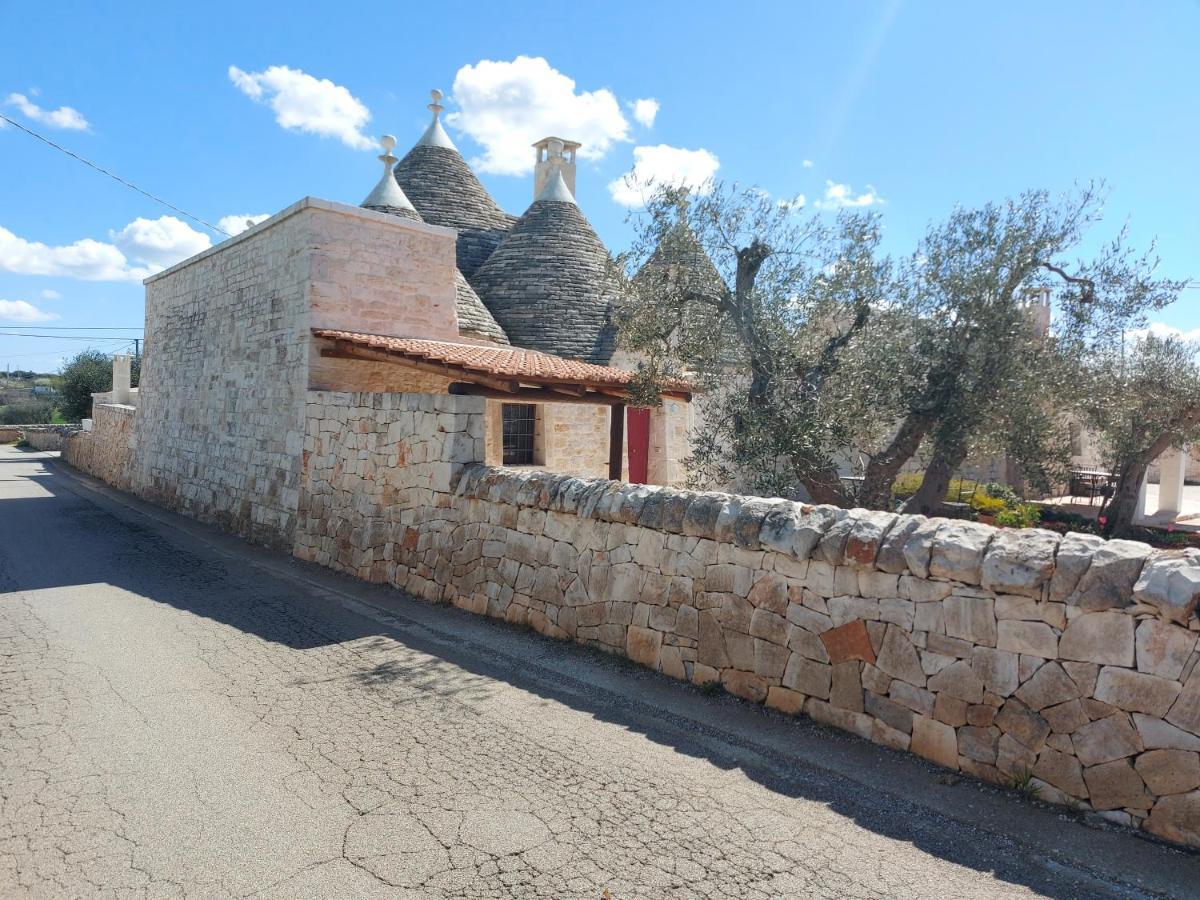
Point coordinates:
[(105, 450), (1017, 656)]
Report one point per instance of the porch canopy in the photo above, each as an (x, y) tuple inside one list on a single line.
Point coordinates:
[(510, 374)]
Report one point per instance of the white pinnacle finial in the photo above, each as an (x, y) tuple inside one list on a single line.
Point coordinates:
[(387, 193), (435, 135)]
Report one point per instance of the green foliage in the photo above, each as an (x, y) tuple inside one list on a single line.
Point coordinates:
[(998, 491), (88, 372), (1142, 398), (29, 412), (1022, 783), (987, 505), (810, 348), (1023, 515)]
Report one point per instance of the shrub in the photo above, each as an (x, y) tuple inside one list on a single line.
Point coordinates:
[(31, 412), (1023, 515), (88, 372), (988, 505), (1003, 492)]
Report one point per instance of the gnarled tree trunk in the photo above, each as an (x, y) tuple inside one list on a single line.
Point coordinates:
[(932, 492), (883, 468)]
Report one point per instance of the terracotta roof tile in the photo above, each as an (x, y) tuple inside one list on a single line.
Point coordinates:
[(530, 366)]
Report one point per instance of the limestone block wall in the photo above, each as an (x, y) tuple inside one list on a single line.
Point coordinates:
[(105, 450), (48, 437), (219, 429), (220, 412), (377, 470), (39, 437), (1066, 663), (576, 439)]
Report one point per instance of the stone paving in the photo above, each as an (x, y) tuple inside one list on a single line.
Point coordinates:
[(174, 720)]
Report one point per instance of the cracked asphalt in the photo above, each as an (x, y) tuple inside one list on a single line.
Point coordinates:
[(183, 715)]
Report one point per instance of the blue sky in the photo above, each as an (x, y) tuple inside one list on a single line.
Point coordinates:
[(905, 107)]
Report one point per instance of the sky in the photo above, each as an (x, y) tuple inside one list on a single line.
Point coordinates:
[(233, 111)]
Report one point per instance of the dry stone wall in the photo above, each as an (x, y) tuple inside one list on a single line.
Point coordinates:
[(105, 450), (378, 471), (39, 437), (1015, 656)]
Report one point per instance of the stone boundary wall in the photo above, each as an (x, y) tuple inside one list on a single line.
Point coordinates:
[(47, 436), (1012, 655), (379, 470), (105, 451), (1017, 656)]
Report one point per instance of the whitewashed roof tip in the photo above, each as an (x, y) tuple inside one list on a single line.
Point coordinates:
[(556, 189), (387, 194), (435, 135)]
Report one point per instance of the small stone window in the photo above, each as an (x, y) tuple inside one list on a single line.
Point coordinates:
[(519, 433)]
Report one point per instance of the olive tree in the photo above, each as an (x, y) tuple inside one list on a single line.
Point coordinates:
[(992, 372), (819, 354), (1142, 400), (762, 307)]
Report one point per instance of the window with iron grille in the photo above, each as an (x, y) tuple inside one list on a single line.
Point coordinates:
[(520, 431)]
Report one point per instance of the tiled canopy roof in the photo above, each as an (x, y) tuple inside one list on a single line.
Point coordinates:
[(513, 363), (551, 285), (446, 192)]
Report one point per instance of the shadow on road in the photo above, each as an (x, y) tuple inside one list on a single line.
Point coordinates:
[(58, 534)]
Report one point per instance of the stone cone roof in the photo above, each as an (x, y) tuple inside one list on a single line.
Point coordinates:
[(680, 256), (474, 320), (446, 192), (680, 262), (551, 285)]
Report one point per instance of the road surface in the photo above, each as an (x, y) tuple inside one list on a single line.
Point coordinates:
[(181, 714)]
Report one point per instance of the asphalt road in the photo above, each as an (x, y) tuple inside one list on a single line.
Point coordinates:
[(181, 714)]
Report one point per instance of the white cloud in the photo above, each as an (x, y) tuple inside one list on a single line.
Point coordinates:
[(140, 249), (663, 165), (20, 311), (506, 106), (51, 295), (841, 196), (304, 103), (236, 224), (808, 164), (64, 117), (159, 243), (1162, 330), (645, 111)]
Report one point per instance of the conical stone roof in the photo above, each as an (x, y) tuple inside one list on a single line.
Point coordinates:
[(680, 258), (550, 283), (474, 320), (446, 192), (681, 264)]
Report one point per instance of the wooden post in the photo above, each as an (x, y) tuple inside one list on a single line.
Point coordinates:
[(616, 441)]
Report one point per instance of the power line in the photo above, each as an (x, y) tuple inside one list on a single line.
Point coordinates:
[(115, 177), (67, 337), (75, 328)]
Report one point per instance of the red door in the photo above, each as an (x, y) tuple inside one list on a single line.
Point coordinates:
[(639, 445)]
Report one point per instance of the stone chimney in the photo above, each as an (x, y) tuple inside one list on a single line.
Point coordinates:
[(122, 379), (554, 154), (1038, 307)]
